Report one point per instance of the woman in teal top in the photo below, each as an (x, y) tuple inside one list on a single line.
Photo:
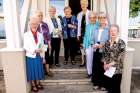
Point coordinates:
[(88, 41)]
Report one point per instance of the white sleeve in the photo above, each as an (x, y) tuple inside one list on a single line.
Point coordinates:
[(79, 25), (27, 44)]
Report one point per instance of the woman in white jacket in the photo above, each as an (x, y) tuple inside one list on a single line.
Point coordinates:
[(55, 31), (33, 42), (83, 20)]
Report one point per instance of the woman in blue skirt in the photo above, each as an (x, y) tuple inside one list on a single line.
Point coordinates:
[(33, 42)]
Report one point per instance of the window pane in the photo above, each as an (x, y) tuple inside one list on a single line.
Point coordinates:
[(59, 5), (2, 30), (20, 4)]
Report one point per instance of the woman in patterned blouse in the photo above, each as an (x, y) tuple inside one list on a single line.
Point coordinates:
[(113, 56)]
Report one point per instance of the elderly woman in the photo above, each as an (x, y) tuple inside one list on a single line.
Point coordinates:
[(44, 29), (113, 56), (69, 35), (88, 41), (55, 31), (83, 20), (100, 36), (33, 42)]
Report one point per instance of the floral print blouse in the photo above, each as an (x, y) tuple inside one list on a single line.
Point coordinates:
[(116, 53)]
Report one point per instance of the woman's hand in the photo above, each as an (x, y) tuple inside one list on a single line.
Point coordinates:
[(106, 66), (44, 61), (96, 46), (38, 50), (72, 26)]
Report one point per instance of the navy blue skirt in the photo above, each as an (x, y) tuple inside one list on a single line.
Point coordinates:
[(34, 68)]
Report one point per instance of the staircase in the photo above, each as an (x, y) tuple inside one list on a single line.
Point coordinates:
[(69, 79)]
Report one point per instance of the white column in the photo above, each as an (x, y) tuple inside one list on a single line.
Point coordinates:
[(95, 3), (25, 12), (12, 24), (102, 6), (127, 71), (122, 18), (13, 57)]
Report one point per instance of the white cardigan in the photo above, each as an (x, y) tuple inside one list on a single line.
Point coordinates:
[(50, 24), (79, 17), (29, 43)]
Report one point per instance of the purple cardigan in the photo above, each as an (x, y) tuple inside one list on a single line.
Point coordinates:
[(45, 30)]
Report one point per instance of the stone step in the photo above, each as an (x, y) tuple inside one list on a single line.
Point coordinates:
[(70, 89), (67, 78), (66, 82), (75, 70)]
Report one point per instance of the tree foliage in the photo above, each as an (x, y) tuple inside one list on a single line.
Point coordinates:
[(134, 8)]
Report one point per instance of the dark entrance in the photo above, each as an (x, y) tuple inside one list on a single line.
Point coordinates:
[(75, 6)]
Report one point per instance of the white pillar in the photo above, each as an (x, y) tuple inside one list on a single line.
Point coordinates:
[(25, 12), (122, 18), (12, 24), (127, 71), (95, 7), (13, 57)]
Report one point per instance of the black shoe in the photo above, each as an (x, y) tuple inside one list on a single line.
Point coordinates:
[(58, 65), (40, 87), (82, 65), (73, 62), (65, 62), (89, 76), (34, 89), (50, 74)]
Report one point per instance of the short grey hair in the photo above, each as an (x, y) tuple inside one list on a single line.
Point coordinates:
[(94, 14), (33, 19), (102, 14), (52, 7), (114, 25)]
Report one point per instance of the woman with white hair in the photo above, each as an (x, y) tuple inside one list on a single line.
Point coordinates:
[(44, 30), (69, 35), (100, 36), (83, 20), (88, 41), (113, 57), (55, 31), (33, 42)]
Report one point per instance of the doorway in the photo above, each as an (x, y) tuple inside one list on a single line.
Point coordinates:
[(75, 6)]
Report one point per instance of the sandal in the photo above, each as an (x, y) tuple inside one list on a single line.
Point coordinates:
[(40, 86), (34, 89)]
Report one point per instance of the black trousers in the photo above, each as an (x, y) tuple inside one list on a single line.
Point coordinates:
[(113, 84), (47, 57), (98, 70), (70, 48), (55, 44)]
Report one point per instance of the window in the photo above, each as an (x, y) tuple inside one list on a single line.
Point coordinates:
[(58, 4), (2, 30)]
